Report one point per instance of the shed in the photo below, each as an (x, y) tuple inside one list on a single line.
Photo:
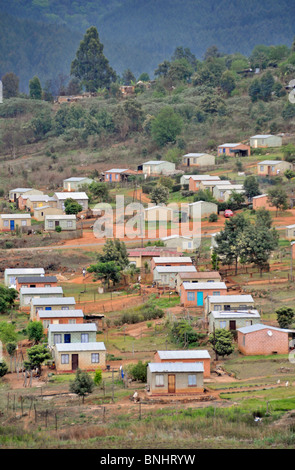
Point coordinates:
[(71, 333), (52, 303), (232, 320), (263, 340), (290, 232), (9, 222), (158, 167), (198, 160), (170, 378), (85, 356), (181, 242), (264, 141), (10, 275), (75, 182), (26, 294), (66, 222), (158, 214), (191, 355), (80, 197), (200, 209)]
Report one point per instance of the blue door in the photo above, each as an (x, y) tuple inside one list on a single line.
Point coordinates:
[(200, 299), (48, 308), (110, 177), (12, 225)]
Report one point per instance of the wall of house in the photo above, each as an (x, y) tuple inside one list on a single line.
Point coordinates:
[(17, 223), (210, 306), (259, 202), (181, 383), (205, 362), (34, 308), (84, 361), (240, 322), (272, 170), (75, 336), (40, 214), (59, 321), (259, 342), (25, 299), (63, 223), (206, 292)]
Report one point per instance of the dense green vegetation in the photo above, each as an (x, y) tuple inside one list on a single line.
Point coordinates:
[(137, 34)]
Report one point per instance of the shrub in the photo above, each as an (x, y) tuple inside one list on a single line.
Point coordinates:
[(213, 217), (58, 228)]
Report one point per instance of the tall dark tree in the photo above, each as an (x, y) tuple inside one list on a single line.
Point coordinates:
[(128, 77), (35, 88), (10, 85), (90, 64)]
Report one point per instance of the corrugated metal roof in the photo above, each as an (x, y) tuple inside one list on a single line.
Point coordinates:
[(60, 217), (260, 195), (76, 178), (68, 347), (204, 178), (15, 216), (28, 279), (261, 136), (176, 367), (40, 290), (171, 237), (117, 170), (195, 154), (19, 190), (260, 326), (204, 285), (230, 145), (158, 207), (54, 300), (235, 314), (270, 162), (60, 313), (24, 271), (175, 269), (71, 195), (200, 275), (172, 259), (190, 354), (155, 162), (72, 327), (230, 298), (40, 197), (43, 207)]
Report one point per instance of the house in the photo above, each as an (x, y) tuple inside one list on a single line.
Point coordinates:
[(223, 192), (290, 232), (40, 212), (116, 175), (262, 339), (198, 160), (227, 303), (273, 167), (75, 182), (195, 181), (261, 201), (30, 202), (59, 317), (71, 333), (181, 242), (184, 180), (210, 185), (69, 357), (127, 89), (80, 197), (158, 214), (140, 256), (51, 303), (157, 167), (26, 294), (165, 276), (192, 355), (200, 209), (66, 222), (9, 222), (10, 275), (264, 141), (14, 194), (35, 281), (197, 276), (193, 294), (232, 320), (175, 378), (234, 150), (171, 261)]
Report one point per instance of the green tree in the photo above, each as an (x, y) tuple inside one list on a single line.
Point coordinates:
[(72, 206), (266, 85), (3, 368), (285, 316), (90, 65), (99, 191), (222, 342), (278, 198), (251, 187), (10, 84), (144, 77), (35, 331), (263, 218), (255, 90), (35, 88), (289, 174), (97, 377), (139, 371), (114, 250), (288, 111), (166, 126), (162, 69), (37, 355), (160, 194), (7, 298), (107, 271), (128, 77), (82, 385), (7, 332), (228, 82), (180, 70)]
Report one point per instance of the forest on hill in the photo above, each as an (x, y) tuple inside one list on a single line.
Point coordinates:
[(42, 35)]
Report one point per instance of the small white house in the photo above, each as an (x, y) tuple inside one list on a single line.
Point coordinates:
[(75, 182), (263, 141), (158, 214), (181, 242), (26, 294), (65, 222), (10, 275), (201, 209), (80, 197), (158, 167), (198, 160)]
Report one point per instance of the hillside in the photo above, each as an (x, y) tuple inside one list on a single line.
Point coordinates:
[(137, 34)]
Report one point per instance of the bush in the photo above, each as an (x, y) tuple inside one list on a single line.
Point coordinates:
[(213, 217), (139, 371), (176, 187), (58, 228), (3, 369)]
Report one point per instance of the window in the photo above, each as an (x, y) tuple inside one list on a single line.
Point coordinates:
[(189, 244), (192, 380), (216, 292), (64, 308), (190, 296), (248, 322), (65, 359), (243, 307), (261, 167), (47, 285), (222, 324), (84, 338), (69, 223), (56, 339), (50, 223), (6, 223), (95, 358), (72, 321), (46, 323), (159, 380), (217, 308), (244, 337), (107, 177), (117, 177), (227, 308), (24, 223)]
